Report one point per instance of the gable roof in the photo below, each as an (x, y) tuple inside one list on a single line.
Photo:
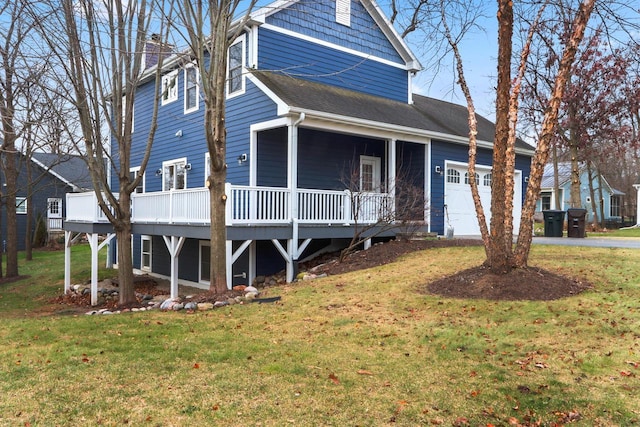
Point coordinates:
[(413, 64), (70, 169), (564, 176), (427, 117)]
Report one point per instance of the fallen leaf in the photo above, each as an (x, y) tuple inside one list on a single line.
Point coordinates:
[(364, 372), (196, 366), (634, 364), (333, 378)]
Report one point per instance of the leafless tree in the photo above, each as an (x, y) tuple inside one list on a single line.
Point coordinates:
[(100, 48), (209, 33)]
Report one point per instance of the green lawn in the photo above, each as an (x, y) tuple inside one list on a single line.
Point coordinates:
[(361, 349)]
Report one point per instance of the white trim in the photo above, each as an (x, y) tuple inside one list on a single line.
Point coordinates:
[(184, 86), (282, 107), (427, 184), (174, 162), (136, 169), (74, 187), (143, 267), (21, 205), (240, 40), (253, 143), (335, 46), (376, 179), (172, 91)]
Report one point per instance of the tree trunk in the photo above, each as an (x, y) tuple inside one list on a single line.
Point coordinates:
[(28, 237), (122, 228), (592, 195), (218, 272), (556, 179), (499, 259), (12, 218), (523, 245), (575, 199)]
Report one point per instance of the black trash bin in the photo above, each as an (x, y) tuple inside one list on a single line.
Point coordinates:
[(553, 223), (576, 218)]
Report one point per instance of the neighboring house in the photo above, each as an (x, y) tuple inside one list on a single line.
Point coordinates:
[(315, 92), (52, 177), (611, 200)]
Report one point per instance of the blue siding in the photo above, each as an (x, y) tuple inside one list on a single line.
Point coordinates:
[(322, 64), (272, 158), (441, 151), (363, 35), (325, 159)]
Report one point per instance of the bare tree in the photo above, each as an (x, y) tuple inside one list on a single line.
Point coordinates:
[(402, 207), (209, 33), (100, 51)]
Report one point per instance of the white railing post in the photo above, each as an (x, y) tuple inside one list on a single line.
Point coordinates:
[(346, 207), (229, 204)]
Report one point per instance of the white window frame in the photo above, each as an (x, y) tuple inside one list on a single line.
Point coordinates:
[(614, 203), (243, 48), (123, 113), (343, 12), (453, 176), (169, 87), (376, 178), (203, 243), (21, 205), (207, 167), (166, 170), (467, 181), (487, 179), (136, 171), (187, 69), (54, 212), (143, 266)]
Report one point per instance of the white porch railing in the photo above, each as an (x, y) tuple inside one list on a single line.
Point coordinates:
[(54, 224), (245, 205)]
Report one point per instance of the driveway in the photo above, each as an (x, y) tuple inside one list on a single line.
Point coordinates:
[(599, 242)]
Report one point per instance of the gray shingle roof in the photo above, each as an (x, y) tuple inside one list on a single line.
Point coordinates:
[(426, 114), (72, 169)]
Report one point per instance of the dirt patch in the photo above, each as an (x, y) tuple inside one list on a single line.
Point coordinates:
[(478, 282), (520, 284)]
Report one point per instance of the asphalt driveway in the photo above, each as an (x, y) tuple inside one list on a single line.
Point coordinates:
[(599, 242)]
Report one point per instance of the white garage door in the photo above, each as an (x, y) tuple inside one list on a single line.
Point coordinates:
[(457, 197)]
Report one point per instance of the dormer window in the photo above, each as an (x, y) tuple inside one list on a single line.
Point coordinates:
[(343, 12), (235, 78), (170, 87)]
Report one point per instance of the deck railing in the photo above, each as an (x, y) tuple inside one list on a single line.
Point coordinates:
[(245, 205)]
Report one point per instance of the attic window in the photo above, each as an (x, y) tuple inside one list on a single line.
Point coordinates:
[(343, 12)]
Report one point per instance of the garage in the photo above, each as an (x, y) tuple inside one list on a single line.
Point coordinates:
[(459, 202)]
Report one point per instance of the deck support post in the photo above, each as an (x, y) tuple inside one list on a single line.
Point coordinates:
[(174, 246), (68, 241), (95, 249)]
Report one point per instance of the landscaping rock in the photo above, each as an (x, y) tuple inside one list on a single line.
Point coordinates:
[(204, 306)]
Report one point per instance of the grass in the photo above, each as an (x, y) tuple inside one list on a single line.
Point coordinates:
[(364, 348)]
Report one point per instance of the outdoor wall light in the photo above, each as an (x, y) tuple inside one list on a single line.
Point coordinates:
[(159, 172), (242, 158), (179, 133), (438, 169), (188, 166)]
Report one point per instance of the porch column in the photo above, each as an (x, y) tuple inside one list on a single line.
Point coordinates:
[(292, 165), (67, 261), (174, 245), (95, 249), (391, 177)]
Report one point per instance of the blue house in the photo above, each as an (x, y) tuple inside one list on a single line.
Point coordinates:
[(52, 176), (608, 199), (318, 92)]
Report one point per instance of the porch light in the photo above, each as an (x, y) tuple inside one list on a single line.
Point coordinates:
[(438, 169), (242, 158), (188, 166), (158, 172)]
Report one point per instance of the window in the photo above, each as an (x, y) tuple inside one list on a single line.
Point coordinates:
[(205, 261), (123, 113), (466, 178), (453, 176), (369, 173), (207, 167), (191, 89), (174, 175), (486, 179), (170, 87), (343, 12), (615, 206), (133, 173), (235, 80), (145, 253), (21, 205), (545, 196)]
